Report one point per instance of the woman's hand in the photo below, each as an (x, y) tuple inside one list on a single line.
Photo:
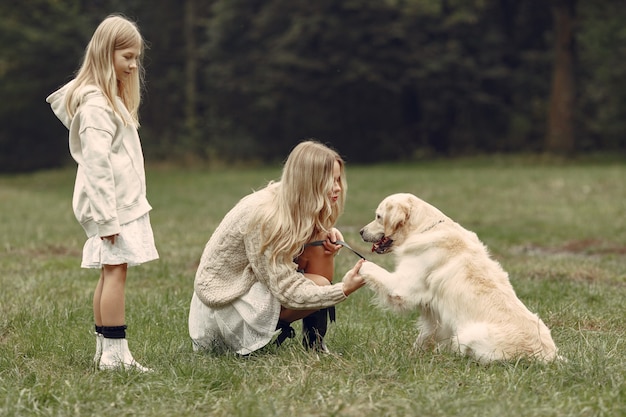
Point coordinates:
[(330, 247), (352, 281)]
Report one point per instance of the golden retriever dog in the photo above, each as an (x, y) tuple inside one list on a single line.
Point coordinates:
[(465, 299)]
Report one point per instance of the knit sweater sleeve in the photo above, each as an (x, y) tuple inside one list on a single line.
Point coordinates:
[(292, 289), (231, 263)]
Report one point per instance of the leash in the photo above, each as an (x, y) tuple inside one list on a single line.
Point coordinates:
[(338, 242)]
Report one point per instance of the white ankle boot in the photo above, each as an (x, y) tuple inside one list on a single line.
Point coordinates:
[(115, 355), (96, 357)]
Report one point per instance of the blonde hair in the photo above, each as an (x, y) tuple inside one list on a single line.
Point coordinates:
[(114, 33), (301, 206)]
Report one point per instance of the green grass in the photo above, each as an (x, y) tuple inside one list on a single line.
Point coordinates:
[(558, 228)]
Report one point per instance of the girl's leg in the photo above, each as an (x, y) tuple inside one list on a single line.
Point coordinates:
[(97, 295), (98, 318), (115, 352), (112, 304)]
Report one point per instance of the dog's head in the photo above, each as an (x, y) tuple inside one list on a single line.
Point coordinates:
[(397, 216)]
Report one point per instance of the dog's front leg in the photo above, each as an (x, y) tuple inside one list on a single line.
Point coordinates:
[(376, 277), (383, 283)]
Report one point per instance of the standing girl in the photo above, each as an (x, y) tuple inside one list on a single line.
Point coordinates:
[(100, 109), (255, 277)]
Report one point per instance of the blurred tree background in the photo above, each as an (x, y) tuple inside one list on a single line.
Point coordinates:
[(380, 80)]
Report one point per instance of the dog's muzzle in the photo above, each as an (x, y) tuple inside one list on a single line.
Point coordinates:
[(381, 243)]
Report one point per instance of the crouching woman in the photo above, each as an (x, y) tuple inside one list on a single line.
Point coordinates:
[(252, 281)]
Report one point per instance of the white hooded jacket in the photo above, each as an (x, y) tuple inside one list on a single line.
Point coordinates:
[(110, 188)]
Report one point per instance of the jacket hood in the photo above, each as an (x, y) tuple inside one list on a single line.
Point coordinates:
[(58, 98)]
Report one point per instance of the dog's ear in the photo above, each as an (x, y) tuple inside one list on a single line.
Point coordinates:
[(397, 214)]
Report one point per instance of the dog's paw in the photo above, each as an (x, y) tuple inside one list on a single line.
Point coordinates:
[(368, 270)]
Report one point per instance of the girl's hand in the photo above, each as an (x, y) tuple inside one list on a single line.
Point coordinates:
[(111, 239), (352, 281), (331, 248)]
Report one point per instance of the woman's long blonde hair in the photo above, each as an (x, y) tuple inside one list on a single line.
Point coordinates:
[(114, 33), (301, 206)]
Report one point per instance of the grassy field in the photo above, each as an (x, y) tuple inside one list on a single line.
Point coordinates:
[(559, 229)]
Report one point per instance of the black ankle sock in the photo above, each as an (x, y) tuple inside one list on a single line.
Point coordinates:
[(98, 329), (114, 332)]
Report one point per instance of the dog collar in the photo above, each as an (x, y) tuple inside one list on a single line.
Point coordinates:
[(433, 225)]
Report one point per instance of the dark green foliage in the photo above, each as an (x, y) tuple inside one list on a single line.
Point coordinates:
[(382, 80)]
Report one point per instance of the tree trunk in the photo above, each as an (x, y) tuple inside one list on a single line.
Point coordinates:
[(191, 64), (561, 133)]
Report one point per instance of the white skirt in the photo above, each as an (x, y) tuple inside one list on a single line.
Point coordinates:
[(245, 325), (133, 246)]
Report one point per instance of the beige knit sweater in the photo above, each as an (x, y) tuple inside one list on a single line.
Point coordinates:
[(231, 264)]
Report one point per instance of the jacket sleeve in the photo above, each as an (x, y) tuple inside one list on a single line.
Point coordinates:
[(97, 130), (290, 287)]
